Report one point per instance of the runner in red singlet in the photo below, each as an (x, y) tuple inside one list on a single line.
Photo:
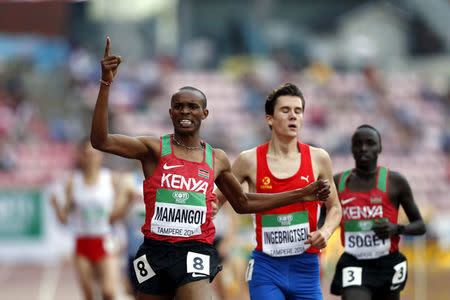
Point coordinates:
[(177, 258), (285, 263), (371, 266)]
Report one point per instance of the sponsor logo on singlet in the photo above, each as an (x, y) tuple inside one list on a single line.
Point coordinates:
[(180, 196), (305, 178), (285, 220), (265, 183)]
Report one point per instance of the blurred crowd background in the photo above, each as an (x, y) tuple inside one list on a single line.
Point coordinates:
[(381, 62)]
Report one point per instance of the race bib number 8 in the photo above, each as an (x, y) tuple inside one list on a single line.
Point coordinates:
[(197, 263), (142, 269), (351, 276)]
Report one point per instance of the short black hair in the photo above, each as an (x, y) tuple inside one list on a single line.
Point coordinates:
[(288, 89), (192, 89), (372, 128)]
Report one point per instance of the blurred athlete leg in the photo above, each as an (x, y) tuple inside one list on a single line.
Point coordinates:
[(86, 276), (108, 268)]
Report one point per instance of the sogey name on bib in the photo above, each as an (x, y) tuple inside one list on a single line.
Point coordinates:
[(361, 241)]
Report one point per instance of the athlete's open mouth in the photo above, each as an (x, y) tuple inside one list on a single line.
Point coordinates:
[(364, 157), (185, 122)]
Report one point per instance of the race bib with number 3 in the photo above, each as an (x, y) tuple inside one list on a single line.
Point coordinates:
[(400, 273), (197, 263), (351, 276), (142, 269)]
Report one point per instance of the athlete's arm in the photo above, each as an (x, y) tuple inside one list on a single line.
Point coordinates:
[(243, 168), (252, 202), (124, 198), (228, 239), (63, 212), (323, 208), (400, 194), (101, 139), (322, 165)]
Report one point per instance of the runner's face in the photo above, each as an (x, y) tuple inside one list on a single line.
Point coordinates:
[(187, 112), (287, 116), (365, 146)]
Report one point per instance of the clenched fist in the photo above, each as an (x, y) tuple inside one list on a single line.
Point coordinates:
[(316, 191)]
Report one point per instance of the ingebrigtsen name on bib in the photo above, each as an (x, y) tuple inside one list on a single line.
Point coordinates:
[(286, 236)]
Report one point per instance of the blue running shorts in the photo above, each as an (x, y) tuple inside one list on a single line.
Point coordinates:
[(288, 277)]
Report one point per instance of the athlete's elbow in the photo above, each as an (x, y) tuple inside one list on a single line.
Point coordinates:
[(63, 220), (422, 229), (239, 209), (240, 206), (97, 142)]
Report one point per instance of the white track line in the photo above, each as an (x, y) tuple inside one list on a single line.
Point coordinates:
[(49, 282)]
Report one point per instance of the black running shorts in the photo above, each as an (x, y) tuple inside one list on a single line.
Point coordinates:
[(162, 267), (386, 274)]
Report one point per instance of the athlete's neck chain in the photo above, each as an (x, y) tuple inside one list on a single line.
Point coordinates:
[(199, 147)]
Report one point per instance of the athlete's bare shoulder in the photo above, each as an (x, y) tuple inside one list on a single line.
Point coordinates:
[(245, 164), (321, 163), (398, 182), (247, 156), (246, 160), (152, 143), (222, 163), (394, 175), (318, 154)]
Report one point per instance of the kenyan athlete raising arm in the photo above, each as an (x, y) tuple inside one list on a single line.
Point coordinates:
[(189, 162)]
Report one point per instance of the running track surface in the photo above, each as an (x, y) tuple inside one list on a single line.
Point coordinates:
[(58, 281), (46, 282)]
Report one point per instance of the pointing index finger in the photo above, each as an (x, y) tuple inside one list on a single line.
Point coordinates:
[(108, 45)]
